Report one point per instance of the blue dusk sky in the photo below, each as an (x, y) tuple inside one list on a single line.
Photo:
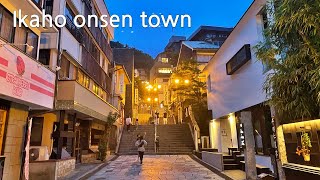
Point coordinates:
[(224, 13)]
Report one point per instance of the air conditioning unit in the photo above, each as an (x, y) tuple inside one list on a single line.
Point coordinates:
[(38, 153)]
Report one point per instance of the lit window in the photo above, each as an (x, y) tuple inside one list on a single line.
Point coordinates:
[(164, 60), (165, 70)]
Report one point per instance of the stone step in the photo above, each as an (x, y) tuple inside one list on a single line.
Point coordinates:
[(231, 166), (229, 161)]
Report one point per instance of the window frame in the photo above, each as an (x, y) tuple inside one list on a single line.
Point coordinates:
[(13, 38)]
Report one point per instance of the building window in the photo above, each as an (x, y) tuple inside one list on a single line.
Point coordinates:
[(83, 79), (96, 135), (36, 129), (165, 70), (33, 41), (6, 28), (19, 35), (48, 6), (164, 60), (44, 56), (165, 80), (263, 16), (96, 89), (65, 69), (74, 30), (37, 2)]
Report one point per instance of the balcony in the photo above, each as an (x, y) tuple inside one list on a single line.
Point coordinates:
[(97, 33), (76, 32), (90, 64), (72, 96), (102, 42)]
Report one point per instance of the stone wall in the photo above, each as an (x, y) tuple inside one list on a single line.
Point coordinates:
[(214, 159), (64, 167), (42, 170), (51, 169), (87, 158), (17, 120)]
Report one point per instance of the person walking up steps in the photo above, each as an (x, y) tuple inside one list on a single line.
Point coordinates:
[(128, 123), (157, 142), (141, 143), (137, 123)]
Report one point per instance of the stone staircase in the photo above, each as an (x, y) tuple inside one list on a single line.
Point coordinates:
[(230, 163), (175, 139), (128, 139)]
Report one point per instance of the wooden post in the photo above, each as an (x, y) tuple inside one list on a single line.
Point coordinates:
[(278, 144), (74, 139), (249, 152), (60, 139)]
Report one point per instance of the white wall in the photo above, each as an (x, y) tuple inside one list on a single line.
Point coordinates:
[(70, 44), (264, 161), (226, 136), (231, 93)]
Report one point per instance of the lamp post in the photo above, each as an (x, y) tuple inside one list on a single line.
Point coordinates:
[(178, 83), (152, 90)]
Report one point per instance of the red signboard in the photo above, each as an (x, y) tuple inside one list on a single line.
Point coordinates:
[(25, 79)]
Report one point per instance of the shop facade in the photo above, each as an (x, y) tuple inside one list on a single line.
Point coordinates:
[(26, 85), (298, 145)]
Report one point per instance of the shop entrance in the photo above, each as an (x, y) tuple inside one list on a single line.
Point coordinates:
[(3, 117)]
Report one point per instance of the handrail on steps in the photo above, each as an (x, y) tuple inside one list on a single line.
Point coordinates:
[(195, 131), (119, 137)]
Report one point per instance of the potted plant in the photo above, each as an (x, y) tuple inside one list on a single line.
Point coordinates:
[(306, 144)]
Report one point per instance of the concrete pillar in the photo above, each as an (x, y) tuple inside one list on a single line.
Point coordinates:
[(14, 143), (249, 152), (211, 133), (233, 127), (215, 135)]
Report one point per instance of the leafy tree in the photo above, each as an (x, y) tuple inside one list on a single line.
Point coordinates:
[(194, 92), (103, 144), (291, 48)]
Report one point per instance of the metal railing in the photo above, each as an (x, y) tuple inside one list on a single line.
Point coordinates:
[(48, 6), (76, 32)]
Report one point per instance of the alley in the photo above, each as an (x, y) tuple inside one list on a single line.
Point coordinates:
[(155, 167)]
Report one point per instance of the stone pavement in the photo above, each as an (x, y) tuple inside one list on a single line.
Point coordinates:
[(167, 167)]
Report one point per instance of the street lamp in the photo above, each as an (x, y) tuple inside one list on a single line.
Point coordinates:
[(177, 81), (186, 81)]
